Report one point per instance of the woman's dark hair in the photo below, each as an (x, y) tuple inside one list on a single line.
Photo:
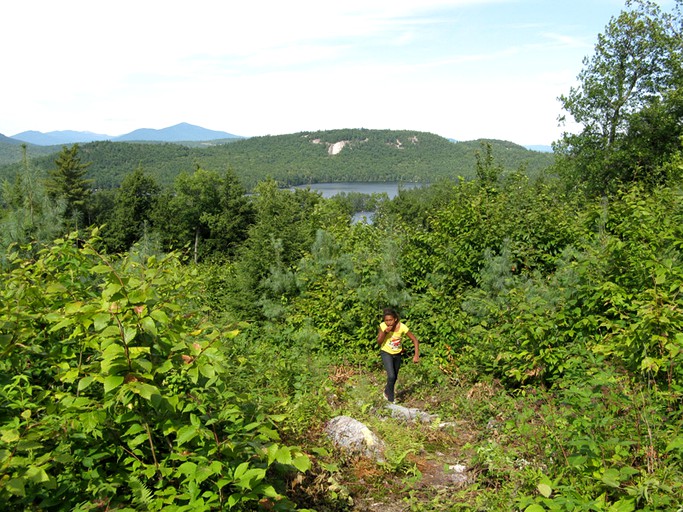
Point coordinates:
[(391, 312)]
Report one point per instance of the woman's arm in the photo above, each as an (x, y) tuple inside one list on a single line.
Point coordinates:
[(381, 334), (416, 344)]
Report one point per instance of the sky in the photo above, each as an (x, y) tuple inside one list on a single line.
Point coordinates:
[(462, 69)]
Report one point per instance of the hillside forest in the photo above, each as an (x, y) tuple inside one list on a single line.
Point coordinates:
[(182, 346), (296, 159)]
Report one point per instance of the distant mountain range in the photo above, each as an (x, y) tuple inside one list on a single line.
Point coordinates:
[(183, 132)]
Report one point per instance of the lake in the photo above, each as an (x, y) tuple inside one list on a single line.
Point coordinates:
[(390, 188), (332, 189)]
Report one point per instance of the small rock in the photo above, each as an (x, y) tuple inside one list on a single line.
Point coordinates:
[(410, 414), (459, 474)]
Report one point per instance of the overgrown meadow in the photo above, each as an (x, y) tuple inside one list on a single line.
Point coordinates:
[(182, 348), (551, 336)]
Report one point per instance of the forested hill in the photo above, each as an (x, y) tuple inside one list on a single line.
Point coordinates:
[(11, 150), (305, 157)]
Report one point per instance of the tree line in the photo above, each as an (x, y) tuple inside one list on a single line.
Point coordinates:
[(296, 159)]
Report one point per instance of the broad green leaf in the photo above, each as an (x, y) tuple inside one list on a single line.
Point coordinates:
[(70, 376), (137, 296), (111, 331), (160, 316), (144, 364), (611, 477), (185, 434), (113, 357), (675, 444), (302, 463), (10, 436), (207, 370), (112, 382), (149, 325), (129, 333), (193, 373), (37, 475), (188, 468), (26, 445), (269, 491), (72, 308), (165, 366), (144, 390), (138, 351), (623, 505), (139, 439), (283, 455), (5, 340), (202, 473), (64, 323), (101, 320), (55, 288), (534, 508), (134, 429), (16, 486), (545, 490), (240, 470), (113, 351), (251, 477), (271, 451), (223, 482), (332, 467), (111, 291)]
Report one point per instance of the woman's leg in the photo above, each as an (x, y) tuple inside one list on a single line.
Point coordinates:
[(392, 363)]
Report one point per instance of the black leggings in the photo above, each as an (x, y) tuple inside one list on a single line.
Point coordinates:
[(392, 363)]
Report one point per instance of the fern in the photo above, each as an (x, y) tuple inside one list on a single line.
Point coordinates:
[(142, 495)]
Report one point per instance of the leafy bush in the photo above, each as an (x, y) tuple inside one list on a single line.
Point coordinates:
[(117, 392)]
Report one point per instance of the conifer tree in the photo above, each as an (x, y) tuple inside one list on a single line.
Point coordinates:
[(134, 203), (67, 181), (30, 215)]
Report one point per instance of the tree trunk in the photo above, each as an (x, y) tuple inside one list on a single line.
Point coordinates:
[(196, 244)]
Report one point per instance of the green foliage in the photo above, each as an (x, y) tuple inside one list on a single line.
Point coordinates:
[(67, 182), (12, 150), (447, 251), (132, 211), (628, 102), (207, 211), (117, 392), (302, 158), (343, 285), (633, 283), (488, 171), (29, 216), (550, 325), (284, 228)]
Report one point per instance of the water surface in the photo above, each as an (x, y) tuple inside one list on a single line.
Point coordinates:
[(332, 189)]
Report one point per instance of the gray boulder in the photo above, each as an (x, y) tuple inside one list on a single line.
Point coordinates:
[(354, 437)]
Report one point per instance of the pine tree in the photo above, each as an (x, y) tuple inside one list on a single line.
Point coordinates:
[(29, 214), (134, 203), (67, 182)]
